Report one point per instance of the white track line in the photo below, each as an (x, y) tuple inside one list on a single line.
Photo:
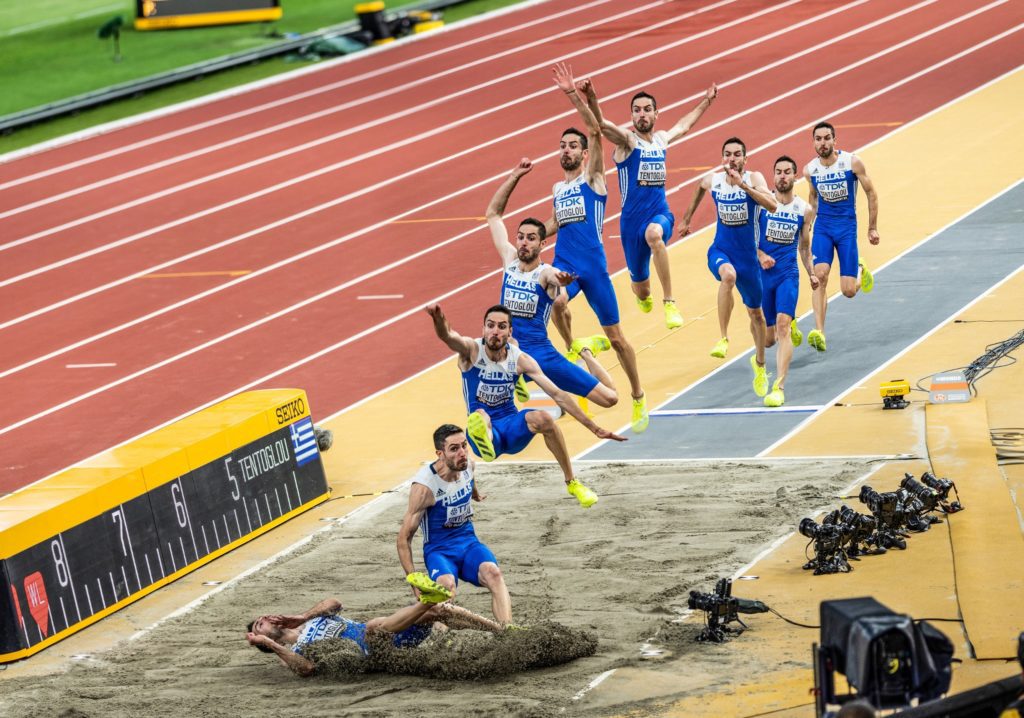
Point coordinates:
[(305, 213), (278, 79), (400, 145), (370, 330), (361, 101), (323, 247)]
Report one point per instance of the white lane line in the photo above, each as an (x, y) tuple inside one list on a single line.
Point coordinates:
[(380, 296), (582, 455), (737, 410), (594, 684), (401, 144), (89, 366), (361, 101), (366, 190), (328, 245)]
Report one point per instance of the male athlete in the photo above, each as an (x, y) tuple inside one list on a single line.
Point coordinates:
[(579, 218), (440, 502), (490, 367), (732, 256), (288, 636), (529, 288), (781, 234), (832, 177), (646, 222)]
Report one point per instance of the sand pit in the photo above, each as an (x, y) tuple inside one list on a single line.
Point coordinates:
[(620, 571)]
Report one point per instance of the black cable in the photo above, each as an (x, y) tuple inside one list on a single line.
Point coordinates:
[(801, 625)]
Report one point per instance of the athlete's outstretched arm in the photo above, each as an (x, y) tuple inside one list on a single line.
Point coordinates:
[(457, 617), (690, 118), (614, 134), (420, 499), (463, 346), (529, 366), (496, 211), (595, 161), (805, 246), (869, 190), (698, 194)]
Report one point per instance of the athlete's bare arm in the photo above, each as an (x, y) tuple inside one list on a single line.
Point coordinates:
[(595, 155), (812, 193), (463, 346), (624, 141), (869, 190), (757, 190), (805, 246), (529, 366), (420, 499), (299, 664), (496, 211), (690, 118), (698, 194)]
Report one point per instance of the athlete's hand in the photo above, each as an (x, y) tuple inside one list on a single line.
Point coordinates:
[(563, 78), (766, 260), (286, 621), (873, 236), (435, 312), (586, 86), (734, 177), (712, 92), (565, 278), (605, 434), (814, 281), (685, 229), (524, 166), (255, 639), (477, 496)]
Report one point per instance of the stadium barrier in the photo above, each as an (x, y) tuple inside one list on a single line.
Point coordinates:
[(85, 542)]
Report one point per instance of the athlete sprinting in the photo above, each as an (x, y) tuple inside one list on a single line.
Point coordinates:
[(529, 288), (781, 234), (440, 500), (580, 201), (833, 177), (732, 256), (490, 367), (646, 222)]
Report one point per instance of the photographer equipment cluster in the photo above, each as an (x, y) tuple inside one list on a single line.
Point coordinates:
[(722, 608), (844, 535)]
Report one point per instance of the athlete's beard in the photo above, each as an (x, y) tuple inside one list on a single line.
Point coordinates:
[(784, 185), (526, 256), (458, 465), (643, 125), (495, 343), (824, 153), (569, 164)]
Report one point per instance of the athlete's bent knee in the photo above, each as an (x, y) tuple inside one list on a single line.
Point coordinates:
[(489, 575), (605, 397), (540, 422)]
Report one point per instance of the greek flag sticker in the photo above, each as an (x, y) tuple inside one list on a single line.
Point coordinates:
[(304, 441)]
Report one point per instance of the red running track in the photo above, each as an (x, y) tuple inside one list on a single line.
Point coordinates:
[(438, 135)]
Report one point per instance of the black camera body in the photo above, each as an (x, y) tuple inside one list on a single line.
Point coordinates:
[(943, 487), (890, 513), (829, 542), (722, 608)]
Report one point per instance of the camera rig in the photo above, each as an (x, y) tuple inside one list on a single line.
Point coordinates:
[(721, 608)]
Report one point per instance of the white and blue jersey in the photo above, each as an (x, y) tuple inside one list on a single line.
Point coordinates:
[(778, 235), (642, 180), (524, 295), (836, 186), (324, 627), (579, 212), (450, 519), (735, 214), (490, 385)]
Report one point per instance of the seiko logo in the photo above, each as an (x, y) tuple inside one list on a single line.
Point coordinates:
[(291, 410)]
